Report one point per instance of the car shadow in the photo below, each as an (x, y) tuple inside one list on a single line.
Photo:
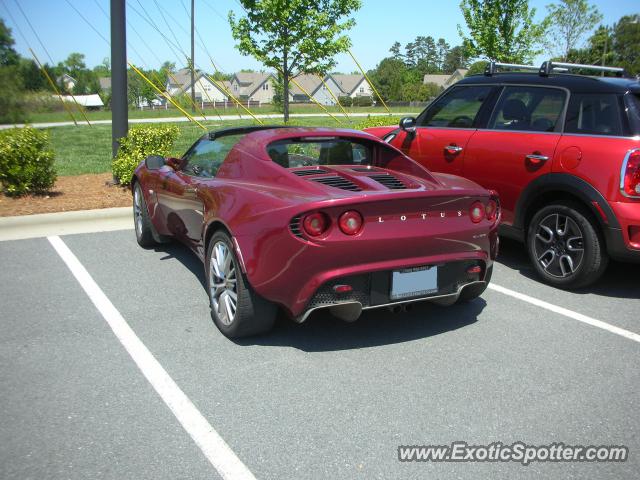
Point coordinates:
[(323, 332), (615, 282)]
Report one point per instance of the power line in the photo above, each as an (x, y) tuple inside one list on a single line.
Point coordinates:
[(88, 22)]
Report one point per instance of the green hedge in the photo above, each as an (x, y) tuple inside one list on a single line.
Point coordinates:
[(140, 143), (26, 161), (377, 121), (345, 101), (364, 101)]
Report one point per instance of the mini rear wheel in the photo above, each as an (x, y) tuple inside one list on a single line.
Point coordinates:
[(565, 246), (142, 223), (236, 309)]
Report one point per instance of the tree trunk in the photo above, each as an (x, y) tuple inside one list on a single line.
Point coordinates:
[(285, 90)]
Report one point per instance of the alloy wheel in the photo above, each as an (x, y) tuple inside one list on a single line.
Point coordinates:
[(223, 283), (137, 210), (559, 245)]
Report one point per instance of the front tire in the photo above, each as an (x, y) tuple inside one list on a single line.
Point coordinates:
[(236, 309), (565, 246), (142, 223)]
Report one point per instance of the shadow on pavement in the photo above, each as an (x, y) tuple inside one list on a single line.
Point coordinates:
[(616, 281), (322, 332)]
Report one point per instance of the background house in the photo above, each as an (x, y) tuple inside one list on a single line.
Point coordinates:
[(445, 81), (255, 86), (179, 83), (338, 84)]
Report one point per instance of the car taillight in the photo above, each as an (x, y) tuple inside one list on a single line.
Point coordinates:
[(315, 224), (630, 175), (476, 212), (350, 222), (491, 210)]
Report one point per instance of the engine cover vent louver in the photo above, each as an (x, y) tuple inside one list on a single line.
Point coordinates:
[(338, 182), (295, 227), (389, 181), (365, 169), (313, 171)]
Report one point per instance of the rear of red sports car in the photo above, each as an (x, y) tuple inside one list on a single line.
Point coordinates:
[(317, 219)]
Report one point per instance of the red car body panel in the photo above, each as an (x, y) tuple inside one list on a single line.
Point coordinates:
[(255, 199)]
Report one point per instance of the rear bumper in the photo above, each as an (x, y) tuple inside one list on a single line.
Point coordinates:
[(623, 244), (372, 290)]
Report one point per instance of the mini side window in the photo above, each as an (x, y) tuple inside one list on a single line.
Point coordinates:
[(532, 109), (457, 109), (594, 114)]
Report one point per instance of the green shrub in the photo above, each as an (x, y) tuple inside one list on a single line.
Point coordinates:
[(26, 161), (364, 101), (345, 101), (140, 143), (377, 121)]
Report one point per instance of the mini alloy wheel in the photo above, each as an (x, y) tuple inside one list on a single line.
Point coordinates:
[(559, 245), (565, 245)]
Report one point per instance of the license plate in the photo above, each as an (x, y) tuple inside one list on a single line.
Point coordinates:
[(414, 282)]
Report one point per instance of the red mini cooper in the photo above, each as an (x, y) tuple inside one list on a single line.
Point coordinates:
[(562, 151)]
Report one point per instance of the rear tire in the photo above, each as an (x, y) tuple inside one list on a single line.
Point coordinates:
[(565, 246), (236, 309), (474, 291)]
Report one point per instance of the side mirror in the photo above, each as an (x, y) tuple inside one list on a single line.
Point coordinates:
[(154, 162), (408, 124)]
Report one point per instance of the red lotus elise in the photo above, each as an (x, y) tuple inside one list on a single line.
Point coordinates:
[(314, 218)]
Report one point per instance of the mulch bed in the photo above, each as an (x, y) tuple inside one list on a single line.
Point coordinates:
[(81, 192)]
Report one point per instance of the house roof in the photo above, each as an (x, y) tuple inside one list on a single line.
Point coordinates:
[(249, 82), (447, 79), (348, 83), (308, 81)]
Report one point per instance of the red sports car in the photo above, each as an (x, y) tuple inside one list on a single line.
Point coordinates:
[(311, 218)]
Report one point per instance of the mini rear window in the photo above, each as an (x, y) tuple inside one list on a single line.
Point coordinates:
[(594, 114), (312, 152)]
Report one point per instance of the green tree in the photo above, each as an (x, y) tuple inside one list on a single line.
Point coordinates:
[(502, 30), (395, 50), (389, 77), (626, 43), (570, 20), (454, 59), (294, 36), (8, 56), (31, 75), (477, 67)]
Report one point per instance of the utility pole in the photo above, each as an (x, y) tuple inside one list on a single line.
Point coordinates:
[(119, 112), (193, 62)]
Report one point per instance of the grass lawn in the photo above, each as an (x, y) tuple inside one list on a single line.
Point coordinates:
[(86, 149), (173, 112)]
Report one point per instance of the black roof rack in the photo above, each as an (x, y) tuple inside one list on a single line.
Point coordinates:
[(549, 67)]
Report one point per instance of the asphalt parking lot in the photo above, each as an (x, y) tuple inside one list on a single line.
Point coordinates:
[(324, 399)]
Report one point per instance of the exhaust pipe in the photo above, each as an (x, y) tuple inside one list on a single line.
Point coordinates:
[(407, 307), (395, 309)]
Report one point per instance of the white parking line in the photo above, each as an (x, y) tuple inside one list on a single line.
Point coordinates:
[(567, 313), (223, 459)]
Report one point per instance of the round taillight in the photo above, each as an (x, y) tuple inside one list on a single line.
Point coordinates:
[(476, 212), (315, 224), (491, 210), (350, 222)]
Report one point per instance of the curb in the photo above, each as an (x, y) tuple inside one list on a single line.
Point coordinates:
[(65, 223)]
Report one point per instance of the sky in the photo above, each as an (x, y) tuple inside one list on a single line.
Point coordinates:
[(379, 23)]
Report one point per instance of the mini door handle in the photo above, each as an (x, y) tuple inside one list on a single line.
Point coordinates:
[(452, 149), (537, 158)]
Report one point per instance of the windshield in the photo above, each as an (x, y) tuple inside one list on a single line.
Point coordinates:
[(312, 152)]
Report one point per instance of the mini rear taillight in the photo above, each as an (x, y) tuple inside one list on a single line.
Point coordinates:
[(350, 222), (315, 224), (630, 175), (491, 210), (476, 212)]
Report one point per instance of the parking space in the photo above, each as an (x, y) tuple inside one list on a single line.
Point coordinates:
[(322, 399)]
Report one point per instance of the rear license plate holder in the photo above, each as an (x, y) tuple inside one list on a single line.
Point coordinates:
[(414, 282)]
